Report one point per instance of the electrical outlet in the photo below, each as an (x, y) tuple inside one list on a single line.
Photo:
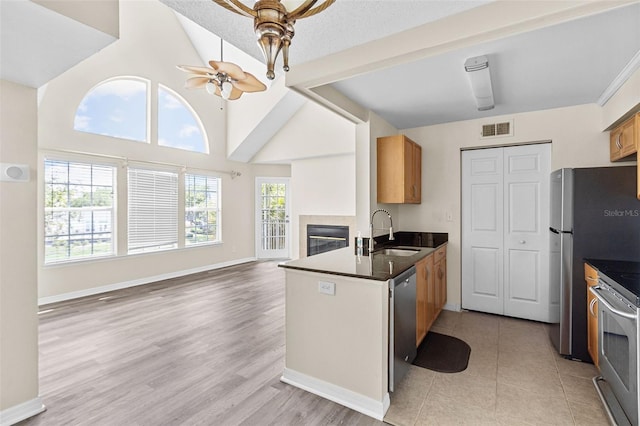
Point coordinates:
[(326, 287)]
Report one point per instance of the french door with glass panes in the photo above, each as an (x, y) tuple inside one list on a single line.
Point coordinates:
[(272, 218)]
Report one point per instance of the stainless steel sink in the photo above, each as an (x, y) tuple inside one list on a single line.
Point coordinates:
[(397, 251)]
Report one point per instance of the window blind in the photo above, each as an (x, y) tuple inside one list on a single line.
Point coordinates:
[(153, 210)]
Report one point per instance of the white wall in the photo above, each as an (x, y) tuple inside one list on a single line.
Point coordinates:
[(577, 141), (322, 186), (313, 131), (18, 266), (379, 128), (152, 43), (102, 15)]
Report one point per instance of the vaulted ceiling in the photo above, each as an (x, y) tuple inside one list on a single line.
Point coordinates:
[(404, 59)]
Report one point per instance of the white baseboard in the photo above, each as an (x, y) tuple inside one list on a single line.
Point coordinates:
[(355, 401), (141, 281), (452, 307), (17, 413)]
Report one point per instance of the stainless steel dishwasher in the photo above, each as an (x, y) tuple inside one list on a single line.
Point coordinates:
[(402, 325)]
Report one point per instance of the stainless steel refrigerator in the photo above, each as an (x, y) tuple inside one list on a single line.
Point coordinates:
[(594, 214)]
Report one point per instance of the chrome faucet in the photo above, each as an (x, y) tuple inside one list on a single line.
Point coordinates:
[(371, 241)]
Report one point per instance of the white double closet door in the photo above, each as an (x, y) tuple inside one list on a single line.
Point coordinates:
[(505, 231)]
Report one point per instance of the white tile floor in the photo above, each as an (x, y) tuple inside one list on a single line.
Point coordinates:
[(514, 377)]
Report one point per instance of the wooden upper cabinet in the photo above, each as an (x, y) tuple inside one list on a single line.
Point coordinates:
[(623, 140), (399, 170)]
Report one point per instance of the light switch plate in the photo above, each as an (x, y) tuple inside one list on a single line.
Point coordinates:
[(326, 287)]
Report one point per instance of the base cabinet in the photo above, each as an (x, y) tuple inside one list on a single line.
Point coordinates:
[(424, 297), (440, 272), (431, 291), (591, 276)]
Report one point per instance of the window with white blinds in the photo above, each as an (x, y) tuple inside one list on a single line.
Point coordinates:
[(153, 210)]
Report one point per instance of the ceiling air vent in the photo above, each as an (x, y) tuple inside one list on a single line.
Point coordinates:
[(495, 130)]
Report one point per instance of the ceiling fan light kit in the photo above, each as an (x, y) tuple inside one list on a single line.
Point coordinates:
[(477, 69), (273, 24), (223, 79)]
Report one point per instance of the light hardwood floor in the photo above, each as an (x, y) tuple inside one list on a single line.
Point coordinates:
[(208, 349)]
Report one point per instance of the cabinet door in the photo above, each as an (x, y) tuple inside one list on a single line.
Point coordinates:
[(390, 169), (623, 140), (421, 301), (399, 163), (416, 186), (441, 284), (614, 144), (440, 278), (431, 292), (591, 276)]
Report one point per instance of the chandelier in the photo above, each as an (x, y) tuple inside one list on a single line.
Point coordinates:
[(273, 23)]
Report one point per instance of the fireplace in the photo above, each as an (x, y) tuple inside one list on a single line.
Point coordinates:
[(323, 238)]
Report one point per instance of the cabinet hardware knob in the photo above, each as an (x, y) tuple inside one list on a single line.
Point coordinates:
[(522, 242)]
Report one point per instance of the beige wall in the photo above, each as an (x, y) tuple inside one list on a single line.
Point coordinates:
[(323, 186), (577, 141), (339, 339), (18, 280), (152, 43), (379, 128)]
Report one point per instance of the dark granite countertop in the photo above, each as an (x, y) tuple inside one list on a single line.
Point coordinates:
[(377, 266), (624, 274)]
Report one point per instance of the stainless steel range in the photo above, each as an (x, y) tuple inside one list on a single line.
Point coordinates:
[(618, 293)]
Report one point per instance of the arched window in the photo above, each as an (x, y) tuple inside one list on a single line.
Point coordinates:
[(178, 125), (117, 108)]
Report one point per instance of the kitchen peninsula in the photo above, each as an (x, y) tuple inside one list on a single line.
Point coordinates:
[(337, 319)]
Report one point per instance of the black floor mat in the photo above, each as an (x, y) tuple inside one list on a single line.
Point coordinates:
[(442, 353)]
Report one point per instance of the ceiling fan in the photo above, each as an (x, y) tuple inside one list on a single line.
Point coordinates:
[(273, 22), (224, 79)]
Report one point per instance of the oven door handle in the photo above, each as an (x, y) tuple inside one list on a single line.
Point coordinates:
[(595, 290)]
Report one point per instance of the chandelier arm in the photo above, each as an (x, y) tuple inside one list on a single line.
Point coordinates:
[(311, 12), (237, 7), (303, 8)]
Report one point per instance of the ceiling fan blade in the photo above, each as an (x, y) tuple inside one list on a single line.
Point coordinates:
[(250, 84), (196, 82), (196, 70), (235, 94), (230, 69)]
